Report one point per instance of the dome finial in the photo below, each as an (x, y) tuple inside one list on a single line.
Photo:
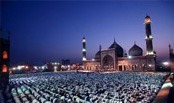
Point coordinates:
[(100, 47)]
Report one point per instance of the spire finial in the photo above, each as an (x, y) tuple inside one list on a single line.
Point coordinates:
[(134, 42), (114, 40), (100, 47)]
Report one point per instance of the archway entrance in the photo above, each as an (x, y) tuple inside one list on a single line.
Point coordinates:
[(108, 63), (120, 68)]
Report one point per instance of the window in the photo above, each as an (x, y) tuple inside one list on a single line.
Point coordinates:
[(4, 68), (5, 55)]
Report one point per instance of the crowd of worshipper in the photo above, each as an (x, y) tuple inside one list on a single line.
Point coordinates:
[(5, 95), (73, 87)]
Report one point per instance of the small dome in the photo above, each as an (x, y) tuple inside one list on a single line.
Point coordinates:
[(118, 49), (135, 51)]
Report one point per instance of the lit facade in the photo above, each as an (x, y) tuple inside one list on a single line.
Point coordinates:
[(4, 58), (114, 58)]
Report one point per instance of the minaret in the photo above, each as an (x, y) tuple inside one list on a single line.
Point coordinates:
[(171, 57), (150, 55), (170, 49), (84, 49), (149, 44)]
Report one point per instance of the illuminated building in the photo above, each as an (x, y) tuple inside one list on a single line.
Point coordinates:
[(171, 56), (53, 66), (4, 58), (19, 69), (114, 58)]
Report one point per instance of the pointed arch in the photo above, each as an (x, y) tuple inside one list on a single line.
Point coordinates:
[(4, 69), (5, 55), (108, 62)]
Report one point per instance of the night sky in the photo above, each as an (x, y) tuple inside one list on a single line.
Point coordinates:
[(50, 31)]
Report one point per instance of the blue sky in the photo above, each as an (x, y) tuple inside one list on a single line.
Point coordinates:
[(50, 31)]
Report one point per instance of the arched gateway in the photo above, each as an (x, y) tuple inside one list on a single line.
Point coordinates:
[(108, 62)]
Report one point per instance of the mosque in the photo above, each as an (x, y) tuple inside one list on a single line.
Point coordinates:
[(114, 59)]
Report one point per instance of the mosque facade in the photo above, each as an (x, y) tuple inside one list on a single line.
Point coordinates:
[(114, 59)]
